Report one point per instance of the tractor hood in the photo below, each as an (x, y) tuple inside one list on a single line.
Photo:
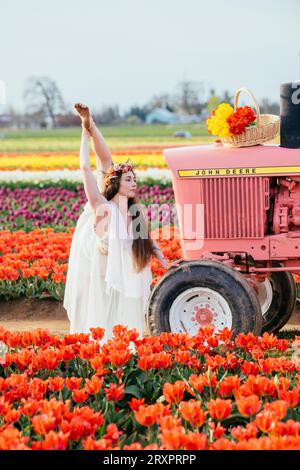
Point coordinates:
[(217, 160)]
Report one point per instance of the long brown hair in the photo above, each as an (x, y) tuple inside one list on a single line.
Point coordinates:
[(142, 248)]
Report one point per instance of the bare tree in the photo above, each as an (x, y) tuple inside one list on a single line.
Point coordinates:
[(15, 118), (163, 100), (43, 99), (140, 112), (189, 98), (108, 115)]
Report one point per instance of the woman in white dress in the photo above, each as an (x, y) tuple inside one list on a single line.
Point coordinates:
[(109, 275)]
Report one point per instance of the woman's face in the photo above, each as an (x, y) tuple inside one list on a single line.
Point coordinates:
[(128, 184)]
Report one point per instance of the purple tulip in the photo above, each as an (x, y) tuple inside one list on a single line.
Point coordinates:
[(60, 208)]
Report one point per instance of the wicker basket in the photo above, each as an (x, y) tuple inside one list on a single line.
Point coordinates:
[(266, 128)]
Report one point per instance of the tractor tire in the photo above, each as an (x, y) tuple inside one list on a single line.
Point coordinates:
[(200, 292), (277, 297)]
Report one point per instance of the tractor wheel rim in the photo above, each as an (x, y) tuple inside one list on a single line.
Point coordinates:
[(197, 307), (265, 295)]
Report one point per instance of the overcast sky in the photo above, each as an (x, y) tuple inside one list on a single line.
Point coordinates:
[(125, 51)]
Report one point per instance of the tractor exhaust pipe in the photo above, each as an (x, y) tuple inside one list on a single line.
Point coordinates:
[(290, 114)]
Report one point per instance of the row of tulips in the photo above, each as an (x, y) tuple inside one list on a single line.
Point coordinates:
[(121, 148), (66, 144), (64, 177), (35, 264), (26, 208), (57, 161), (173, 391)]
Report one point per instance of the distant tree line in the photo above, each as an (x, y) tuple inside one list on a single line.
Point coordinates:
[(45, 106)]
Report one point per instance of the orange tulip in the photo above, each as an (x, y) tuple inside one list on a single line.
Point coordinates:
[(29, 407), (112, 432), (173, 393), (147, 415), (114, 392), (53, 441), (135, 403), (43, 423), (145, 362), (93, 385), (192, 412), (12, 416), (91, 444), (195, 441), (219, 409), (87, 351), (119, 357), (284, 383), (249, 432), (78, 427), (292, 397), (73, 383), (250, 368), (228, 386), (258, 385), (289, 428), (280, 407), (11, 439), (98, 361), (170, 422), (79, 396), (222, 444), (217, 430), (266, 421), (248, 406), (97, 333), (56, 383), (173, 439)]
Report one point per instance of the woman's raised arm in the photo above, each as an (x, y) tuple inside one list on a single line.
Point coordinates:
[(90, 186), (101, 149)]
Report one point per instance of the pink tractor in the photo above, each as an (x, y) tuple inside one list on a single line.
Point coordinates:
[(239, 219)]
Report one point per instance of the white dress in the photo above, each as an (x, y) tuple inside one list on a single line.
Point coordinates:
[(102, 289)]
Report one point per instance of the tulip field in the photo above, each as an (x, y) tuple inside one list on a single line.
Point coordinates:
[(42, 196), (206, 392)]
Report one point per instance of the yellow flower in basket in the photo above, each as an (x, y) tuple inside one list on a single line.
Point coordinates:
[(224, 110), (217, 124), (241, 126)]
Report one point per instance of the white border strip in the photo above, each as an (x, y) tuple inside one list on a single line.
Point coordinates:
[(75, 175)]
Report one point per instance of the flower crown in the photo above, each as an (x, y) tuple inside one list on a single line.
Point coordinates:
[(114, 170)]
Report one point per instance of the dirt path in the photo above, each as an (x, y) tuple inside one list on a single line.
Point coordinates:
[(29, 314)]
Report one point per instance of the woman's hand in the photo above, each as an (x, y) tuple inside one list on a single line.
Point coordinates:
[(170, 264)]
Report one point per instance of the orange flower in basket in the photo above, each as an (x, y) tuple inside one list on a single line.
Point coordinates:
[(240, 119)]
